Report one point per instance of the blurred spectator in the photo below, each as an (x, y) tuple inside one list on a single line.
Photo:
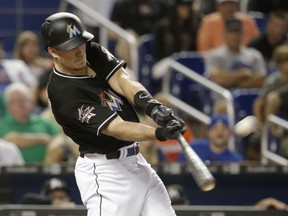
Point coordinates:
[(39, 140), (177, 31), (57, 191), (215, 147), (10, 155), (276, 34), (252, 146), (2, 105), (41, 91), (212, 26), (104, 8), (27, 49), (34, 199), (54, 191), (232, 65), (206, 7), (177, 194), (272, 203), (273, 95), (12, 70), (267, 6), (137, 17), (2, 48), (71, 149), (272, 99)]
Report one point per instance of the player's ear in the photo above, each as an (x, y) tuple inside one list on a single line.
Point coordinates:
[(52, 52)]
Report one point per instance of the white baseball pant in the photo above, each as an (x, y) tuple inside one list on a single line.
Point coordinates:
[(127, 186)]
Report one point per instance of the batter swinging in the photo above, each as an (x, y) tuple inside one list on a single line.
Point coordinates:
[(91, 96)]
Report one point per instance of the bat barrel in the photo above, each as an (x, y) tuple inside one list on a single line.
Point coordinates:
[(199, 171)]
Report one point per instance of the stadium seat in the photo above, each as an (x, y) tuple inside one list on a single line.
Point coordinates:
[(146, 62), (186, 89), (243, 102), (260, 19)]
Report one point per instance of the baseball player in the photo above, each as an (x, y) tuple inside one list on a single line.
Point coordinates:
[(92, 98)]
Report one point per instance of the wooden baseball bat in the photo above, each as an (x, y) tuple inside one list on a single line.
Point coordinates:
[(198, 169)]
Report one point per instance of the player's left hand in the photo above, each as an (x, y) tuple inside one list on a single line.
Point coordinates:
[(171, 130), (162, 114)]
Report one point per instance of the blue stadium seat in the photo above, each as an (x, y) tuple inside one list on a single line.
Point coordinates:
[(243, 105), (186, 89), (243, 102), (146, 62), (260, 19)]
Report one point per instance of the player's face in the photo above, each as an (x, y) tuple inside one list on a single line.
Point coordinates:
[(71, 61)]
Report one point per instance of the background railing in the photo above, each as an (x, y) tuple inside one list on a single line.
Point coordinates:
[(172, 64), (266, 153)]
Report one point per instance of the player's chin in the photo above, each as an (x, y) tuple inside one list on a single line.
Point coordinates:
[(80, 65)]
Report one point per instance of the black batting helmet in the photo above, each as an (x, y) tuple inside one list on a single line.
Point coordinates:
[(54, 184), (64, 31)]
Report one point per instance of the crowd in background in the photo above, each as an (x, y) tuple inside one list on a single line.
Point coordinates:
[(238, 54)]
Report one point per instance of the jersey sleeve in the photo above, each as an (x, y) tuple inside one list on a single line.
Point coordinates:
[(103, 61), (86, 117)]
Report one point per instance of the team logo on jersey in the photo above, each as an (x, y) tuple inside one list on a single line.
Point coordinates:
[(72, 30), (85, 114), (110, 100)]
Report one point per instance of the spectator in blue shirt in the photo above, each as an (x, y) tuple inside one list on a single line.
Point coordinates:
[(214, 148)]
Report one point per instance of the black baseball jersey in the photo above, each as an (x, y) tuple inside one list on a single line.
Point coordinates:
[(84, 105)]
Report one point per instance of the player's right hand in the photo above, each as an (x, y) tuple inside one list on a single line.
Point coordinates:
[(171, 130)]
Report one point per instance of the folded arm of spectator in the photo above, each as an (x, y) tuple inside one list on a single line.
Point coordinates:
[(254, 81), (56, 149), (272, 203), (227, 79), (23, 140)]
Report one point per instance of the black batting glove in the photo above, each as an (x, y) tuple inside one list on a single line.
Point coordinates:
[(171, 130), (162, 115)]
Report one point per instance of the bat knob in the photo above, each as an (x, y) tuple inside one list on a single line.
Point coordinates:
[(208, 185)]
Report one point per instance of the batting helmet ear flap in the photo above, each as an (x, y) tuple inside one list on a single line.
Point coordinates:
[(64, 31)]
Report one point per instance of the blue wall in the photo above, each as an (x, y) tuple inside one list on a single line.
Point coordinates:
[(20, 15)]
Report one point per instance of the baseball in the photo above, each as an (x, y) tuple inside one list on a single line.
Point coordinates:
[(246, 126)]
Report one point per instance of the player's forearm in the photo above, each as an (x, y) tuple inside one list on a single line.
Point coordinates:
[(131, 89), (130, 131)]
